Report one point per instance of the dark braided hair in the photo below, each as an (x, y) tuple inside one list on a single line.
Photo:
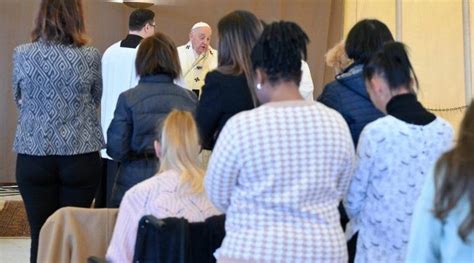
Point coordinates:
[(279, 51)]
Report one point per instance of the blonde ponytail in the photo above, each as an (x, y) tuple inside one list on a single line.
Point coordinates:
[(180, 149)]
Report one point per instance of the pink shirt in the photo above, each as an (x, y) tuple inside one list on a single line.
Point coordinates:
[(158, 196)]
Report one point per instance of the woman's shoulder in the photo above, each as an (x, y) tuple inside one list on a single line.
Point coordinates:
[(324, 109), (159, 92), (381, 127), (143, 187), (90, 51), (183, 91), (148, 187), (391, 127), (443, 125), (161, 180), (215, 74), (232, 88), (24, 48), (223, 78)]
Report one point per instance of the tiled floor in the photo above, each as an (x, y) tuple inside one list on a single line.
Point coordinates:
[(14, 250)]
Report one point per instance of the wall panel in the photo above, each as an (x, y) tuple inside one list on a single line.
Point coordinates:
[(433, 31), (383, 10)]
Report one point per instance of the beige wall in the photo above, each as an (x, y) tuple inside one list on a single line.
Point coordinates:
[(433, 31), (106, 23)]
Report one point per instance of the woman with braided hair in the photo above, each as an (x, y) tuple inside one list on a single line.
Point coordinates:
[(280, 170)]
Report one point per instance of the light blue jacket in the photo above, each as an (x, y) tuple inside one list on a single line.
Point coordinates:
[(432, 240)]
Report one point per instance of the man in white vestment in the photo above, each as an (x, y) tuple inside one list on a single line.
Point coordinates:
[(197, 58), (118, 75)]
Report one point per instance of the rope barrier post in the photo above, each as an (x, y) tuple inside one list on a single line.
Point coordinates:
[(467, 51), (398, 20)]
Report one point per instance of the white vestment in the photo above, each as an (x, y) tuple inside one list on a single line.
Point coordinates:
[(118, 75), (194, 67)]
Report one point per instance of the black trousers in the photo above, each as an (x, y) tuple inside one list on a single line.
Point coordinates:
[(352, 243), (48, 183), (104, 191)]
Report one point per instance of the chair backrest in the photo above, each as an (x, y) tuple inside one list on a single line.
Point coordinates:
[(176, 240), (72, 234), (205, 238)]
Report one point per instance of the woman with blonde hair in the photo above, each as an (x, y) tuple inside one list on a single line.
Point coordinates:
[(175, 191)]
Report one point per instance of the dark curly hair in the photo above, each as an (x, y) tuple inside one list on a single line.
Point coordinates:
[(279, 51)]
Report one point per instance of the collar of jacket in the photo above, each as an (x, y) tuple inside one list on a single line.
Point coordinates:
[(353, 69), (407, 108), (353, 78), (131, 41), (160, 78)]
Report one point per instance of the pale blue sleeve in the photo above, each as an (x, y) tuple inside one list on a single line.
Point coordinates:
[(426, 229), (357, 193)]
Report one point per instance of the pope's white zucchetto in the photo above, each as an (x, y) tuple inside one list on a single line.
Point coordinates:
[(200, 24)]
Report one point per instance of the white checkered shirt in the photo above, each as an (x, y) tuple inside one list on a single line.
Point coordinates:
[(279, 173)]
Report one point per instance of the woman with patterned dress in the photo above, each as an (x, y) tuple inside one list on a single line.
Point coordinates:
[(57, 88), (279, 171), (395, 153)]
